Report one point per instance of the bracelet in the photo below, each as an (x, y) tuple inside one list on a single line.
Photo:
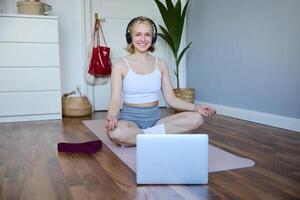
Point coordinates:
[(195, 107)]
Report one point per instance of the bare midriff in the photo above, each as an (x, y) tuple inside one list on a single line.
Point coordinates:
[(142, 105)]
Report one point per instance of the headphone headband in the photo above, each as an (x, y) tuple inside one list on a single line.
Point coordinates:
[(128, 34)]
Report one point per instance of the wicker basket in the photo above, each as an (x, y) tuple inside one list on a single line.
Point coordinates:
[(29, 7), (75, 106), (186, 94)]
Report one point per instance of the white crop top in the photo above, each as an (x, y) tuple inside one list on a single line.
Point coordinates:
[(141, 88)]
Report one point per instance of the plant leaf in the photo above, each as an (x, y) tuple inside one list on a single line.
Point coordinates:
[(170, 23), (182, 53), (178, 12), (170, 5), (163, 10), (169, 17), (168, 40), (174, 18), (166, 36), (174, 21), (181, 22), (182, 19), (178, 7)]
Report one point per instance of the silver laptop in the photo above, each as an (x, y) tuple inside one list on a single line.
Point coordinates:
[(172, 159)]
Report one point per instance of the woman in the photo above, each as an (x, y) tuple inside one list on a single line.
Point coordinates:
[(136, 82)]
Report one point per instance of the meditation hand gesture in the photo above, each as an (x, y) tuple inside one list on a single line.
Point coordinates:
[(205, 110), (111, 122)]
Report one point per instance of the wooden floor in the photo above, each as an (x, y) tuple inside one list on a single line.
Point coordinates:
[(31, 168)]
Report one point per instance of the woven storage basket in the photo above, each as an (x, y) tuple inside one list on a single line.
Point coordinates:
[(29, 7), (75, 106), (186, 94)]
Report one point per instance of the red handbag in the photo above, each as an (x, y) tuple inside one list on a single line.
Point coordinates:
[(100, 64)]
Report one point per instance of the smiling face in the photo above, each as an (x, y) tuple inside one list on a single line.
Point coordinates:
[(142, 36)]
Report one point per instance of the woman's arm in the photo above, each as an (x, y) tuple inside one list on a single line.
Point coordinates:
[(168, 93), (115, 97), (176, 102)]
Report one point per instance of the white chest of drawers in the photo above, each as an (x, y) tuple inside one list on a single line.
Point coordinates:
[(30, 87)]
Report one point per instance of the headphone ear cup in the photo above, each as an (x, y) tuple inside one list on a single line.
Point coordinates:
[(128, 38), (154, 38)]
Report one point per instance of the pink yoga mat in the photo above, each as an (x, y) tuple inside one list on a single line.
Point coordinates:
[(218, 159)]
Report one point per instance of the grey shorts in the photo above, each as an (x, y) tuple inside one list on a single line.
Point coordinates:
[(143, 117)]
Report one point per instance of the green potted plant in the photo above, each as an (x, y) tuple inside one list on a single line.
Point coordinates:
[(174, 18)]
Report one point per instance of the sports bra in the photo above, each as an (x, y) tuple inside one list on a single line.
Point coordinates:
[(141, 88)]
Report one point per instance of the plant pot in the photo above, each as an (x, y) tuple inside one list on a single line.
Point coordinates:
[(186, 94)]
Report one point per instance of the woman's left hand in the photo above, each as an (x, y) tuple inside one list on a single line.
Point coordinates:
[(206, 110)]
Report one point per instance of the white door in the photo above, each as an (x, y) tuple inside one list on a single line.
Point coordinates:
[(116, 14)]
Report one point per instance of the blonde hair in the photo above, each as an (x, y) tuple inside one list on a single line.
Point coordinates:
[(139, 20)]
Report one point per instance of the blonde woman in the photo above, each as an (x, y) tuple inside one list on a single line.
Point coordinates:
[(137, 80)]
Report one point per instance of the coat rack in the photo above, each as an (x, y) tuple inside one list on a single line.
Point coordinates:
[(98, 18)]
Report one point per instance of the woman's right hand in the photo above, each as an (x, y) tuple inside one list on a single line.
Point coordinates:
[(111, 122)]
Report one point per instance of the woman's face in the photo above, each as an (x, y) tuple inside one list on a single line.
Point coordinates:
[(142, 36)]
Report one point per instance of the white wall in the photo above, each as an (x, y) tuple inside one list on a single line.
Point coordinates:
[(70, 38)]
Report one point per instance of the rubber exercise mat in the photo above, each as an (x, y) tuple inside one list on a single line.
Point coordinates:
[(218, 159)]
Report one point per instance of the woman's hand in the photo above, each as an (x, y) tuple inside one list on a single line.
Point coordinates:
[(111, 122), (205, 110)]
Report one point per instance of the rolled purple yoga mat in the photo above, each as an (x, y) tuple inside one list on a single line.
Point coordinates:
[(85, 147)]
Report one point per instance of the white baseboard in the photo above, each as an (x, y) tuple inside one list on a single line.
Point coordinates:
[(5, 119), (258, 117)]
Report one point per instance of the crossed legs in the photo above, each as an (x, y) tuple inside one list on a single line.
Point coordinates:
[(126, 131), (182, 122)]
